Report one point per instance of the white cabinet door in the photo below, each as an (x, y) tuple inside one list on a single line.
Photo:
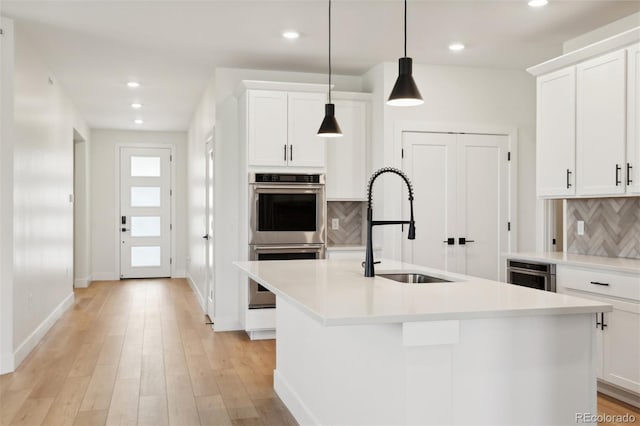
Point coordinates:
[(346, 156), (482, 205), (622, 345), (600, 125), (306, 111), (632, 171), (556, 141), (267, 128)]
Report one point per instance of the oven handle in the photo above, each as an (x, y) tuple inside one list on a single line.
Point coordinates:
[(302, 186), (293, 248), (529, 272)]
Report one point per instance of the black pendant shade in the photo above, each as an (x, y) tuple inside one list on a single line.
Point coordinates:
[(405, 92), (329, 127)]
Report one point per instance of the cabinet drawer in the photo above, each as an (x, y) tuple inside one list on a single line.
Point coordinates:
[(609, 283)]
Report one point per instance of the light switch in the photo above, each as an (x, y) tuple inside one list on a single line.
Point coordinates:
[(580, 227), (335, 223)]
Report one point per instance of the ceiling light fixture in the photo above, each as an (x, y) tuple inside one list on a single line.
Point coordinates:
[(538, 3), (136, 105), (133, 84), (291, 35), (138, 121), (329, 127), (456, 47), (405, 92)]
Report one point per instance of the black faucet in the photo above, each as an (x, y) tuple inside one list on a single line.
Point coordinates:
[(368, 260)]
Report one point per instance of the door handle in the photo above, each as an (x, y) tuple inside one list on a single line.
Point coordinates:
[(206, 236), (124, 229), (629, 167), (568, 178), (450, 241), (618, 168), (462, 241)]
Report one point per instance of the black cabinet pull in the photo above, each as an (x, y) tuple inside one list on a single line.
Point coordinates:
[(568, 178), (206, 237), (599, 283), (285, 152), (124, 229), (618, 168), (462, 241), (602, 324), (597, 322), (123, 220), (450, 241), (290, 152), (629, 180)]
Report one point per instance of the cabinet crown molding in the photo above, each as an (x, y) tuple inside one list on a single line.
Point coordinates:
[(281, 86), (618, 41)]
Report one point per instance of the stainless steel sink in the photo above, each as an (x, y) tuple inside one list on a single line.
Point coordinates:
[(413, 278)]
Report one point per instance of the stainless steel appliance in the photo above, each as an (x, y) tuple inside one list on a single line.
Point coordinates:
[(286, 208), (541, 276), (286, 222), (260, 297)]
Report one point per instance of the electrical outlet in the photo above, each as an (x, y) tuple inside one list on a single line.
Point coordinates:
[(335, 223), (580, 227)]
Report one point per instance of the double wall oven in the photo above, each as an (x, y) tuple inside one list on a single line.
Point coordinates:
[(286, 221)]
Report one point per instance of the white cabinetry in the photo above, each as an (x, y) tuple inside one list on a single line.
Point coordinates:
[(347, 156), (618, 338), (556, 143), (600, 125), (282, 127), (633, 120)]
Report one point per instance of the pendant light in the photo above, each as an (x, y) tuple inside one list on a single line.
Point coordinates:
[(405, 92), (329, 127)]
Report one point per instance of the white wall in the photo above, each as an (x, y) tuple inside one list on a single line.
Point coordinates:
[(6, 196), (103, 180), (41, 168), (460, 95)]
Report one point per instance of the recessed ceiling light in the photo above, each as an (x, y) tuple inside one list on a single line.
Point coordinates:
[(133, 84), (138, 121), (456, 47), (291, 35), (136, 105), (537, 3)]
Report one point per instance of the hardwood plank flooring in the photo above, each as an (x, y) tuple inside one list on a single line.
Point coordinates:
[(138, 352)]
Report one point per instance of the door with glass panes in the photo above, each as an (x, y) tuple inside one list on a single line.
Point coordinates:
[(145, 212)]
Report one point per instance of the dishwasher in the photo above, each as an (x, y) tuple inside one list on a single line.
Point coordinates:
[(538, 275)]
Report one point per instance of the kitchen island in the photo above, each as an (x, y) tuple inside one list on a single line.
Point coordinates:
[(355, 350)]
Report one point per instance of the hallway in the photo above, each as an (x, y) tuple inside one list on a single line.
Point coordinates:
[(138, 352)]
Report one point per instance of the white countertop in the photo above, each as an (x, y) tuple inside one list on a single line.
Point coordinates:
[(620, 264), (335, 292)]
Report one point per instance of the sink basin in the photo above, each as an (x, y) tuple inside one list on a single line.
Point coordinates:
[(413, 278)]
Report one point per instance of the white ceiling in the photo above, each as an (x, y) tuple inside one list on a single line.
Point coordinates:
[(173, 47)]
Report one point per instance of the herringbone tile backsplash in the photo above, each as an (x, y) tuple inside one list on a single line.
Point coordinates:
[(349, 213), (611, 227)]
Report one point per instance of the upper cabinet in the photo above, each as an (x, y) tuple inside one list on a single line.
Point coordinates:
[(281, 128), (347, 155), (633, 120), (556, 149), (600, 125), (588, 122)]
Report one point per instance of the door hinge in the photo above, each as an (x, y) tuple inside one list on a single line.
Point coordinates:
[(171, 192), (508, 226), (509, 156), (170, 227), (171, 158), (170, 261), (402, 153)]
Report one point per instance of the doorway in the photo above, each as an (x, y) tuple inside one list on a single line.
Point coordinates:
[(209, 227), (145, 212), (81, 233)]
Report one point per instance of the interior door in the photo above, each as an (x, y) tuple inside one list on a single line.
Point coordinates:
[(145, 212), (461, 201), (430, 162), (209, 231)]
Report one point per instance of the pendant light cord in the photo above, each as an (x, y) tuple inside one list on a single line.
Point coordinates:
[(329, 51), (405, 28)]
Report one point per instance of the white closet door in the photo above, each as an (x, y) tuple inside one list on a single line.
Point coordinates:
[(482, 204), (430, 162), (145, 209)]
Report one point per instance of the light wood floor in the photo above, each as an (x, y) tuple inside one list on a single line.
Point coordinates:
[(138, 352)]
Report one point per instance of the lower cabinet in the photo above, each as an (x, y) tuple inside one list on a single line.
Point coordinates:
[(618, 337)]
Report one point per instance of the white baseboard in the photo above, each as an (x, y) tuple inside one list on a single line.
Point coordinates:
[(227, 324), (82, 282), (261, 334), (196, 290), (179, 273), (30, 342), (7, 363), (105, 276), (623, 395), (296, 406)]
